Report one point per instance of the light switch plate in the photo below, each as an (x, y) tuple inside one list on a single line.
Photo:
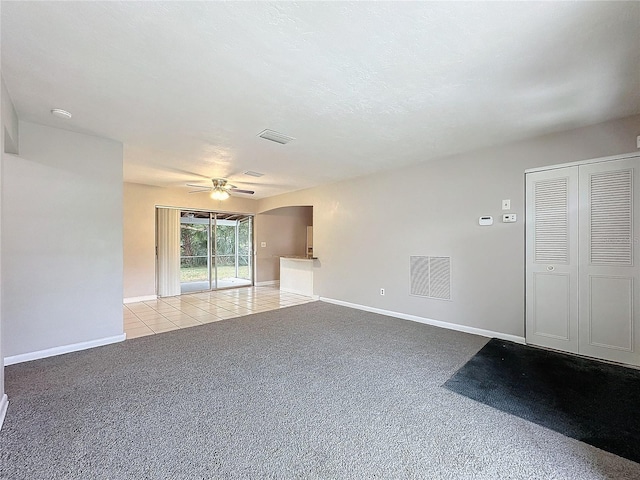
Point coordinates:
[(509, 218), (506, 204), (263, 244)]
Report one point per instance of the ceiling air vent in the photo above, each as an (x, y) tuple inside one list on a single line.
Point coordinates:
[(275, 136)]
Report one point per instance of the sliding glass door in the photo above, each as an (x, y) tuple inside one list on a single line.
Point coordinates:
[(216, 251), (194, 248), (244, 270), (232, 259)]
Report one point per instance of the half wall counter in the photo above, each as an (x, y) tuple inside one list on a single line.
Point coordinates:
[(296, 274)]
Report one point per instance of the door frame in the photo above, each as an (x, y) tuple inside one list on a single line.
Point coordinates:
[(583, 162)]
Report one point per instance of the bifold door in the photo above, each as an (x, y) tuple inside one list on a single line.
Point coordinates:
[(609, 269), (583, 265), (552, 259)]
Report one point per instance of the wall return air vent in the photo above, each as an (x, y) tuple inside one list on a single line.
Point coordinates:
[(274, 136), (431, 277)]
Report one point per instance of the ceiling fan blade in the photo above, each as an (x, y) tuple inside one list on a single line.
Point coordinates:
[(201, 191), (237, 190), (197, 186)]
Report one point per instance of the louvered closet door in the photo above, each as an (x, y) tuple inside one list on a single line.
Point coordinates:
[(552, 259), (609, 261)]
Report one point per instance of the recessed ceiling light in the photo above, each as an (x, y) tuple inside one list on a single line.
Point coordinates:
[(275, 136), (57, 112), (251, 173)]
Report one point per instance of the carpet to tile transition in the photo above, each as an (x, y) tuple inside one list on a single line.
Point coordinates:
[(585, 399)]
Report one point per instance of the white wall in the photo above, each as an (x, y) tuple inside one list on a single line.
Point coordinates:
[(9, 122), (8, 142), (284, 230), (139, 225), (61, 240), (366, 229)]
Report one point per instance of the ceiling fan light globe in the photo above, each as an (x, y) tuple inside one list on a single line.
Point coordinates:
[(219, 195)]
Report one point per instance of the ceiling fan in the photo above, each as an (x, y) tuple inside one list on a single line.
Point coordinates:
[(221, 189)]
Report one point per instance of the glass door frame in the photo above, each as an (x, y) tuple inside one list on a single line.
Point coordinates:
[(220, 259), (250, 253)]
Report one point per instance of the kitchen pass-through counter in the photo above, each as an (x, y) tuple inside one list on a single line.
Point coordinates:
[(296, 275)]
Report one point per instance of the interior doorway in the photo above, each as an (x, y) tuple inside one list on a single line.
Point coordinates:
[(216, 251)]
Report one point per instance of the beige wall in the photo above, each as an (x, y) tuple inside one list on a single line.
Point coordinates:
[(139, 219), (285, 232), (366, 229)]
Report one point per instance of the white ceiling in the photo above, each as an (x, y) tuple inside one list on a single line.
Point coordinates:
[(363, 87)]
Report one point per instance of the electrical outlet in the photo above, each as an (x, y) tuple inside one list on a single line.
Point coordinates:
[(382, 292)]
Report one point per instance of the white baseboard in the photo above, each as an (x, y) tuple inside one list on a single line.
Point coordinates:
[(75, 347), (4, 403), (267, 283), (298, 292), (429, 321), (145, 298)]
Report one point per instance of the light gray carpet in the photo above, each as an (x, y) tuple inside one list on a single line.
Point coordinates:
[(311, 391)]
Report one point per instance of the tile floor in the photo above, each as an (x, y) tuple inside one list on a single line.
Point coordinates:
[(171, 313)]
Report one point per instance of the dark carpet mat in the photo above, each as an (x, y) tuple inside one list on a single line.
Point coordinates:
[(588, 400)]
